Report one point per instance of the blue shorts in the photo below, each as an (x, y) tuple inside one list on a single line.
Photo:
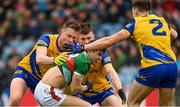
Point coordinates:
[(158, 76), (30, 80), (99, 97)]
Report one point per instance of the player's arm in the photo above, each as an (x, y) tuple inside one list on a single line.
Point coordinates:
[(76, 84), (41, 51), (115, 81), (111, 40), (41, 56), (81, 68), (107, 41), (107, 63), (173, 33), (113, 76), (110, 71), (104, 42)]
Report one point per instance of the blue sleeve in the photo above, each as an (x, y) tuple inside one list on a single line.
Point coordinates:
[(44, 41), (130, 26), (105, 59)]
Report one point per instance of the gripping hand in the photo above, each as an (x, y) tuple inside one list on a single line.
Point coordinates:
[(89, 87), (59, 60), (75, 48), (122, 95), (77, 94)]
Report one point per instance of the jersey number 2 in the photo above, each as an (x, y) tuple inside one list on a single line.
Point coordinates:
[(159, 26)]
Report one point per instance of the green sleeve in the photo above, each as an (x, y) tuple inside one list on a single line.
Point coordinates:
[(82, 64)]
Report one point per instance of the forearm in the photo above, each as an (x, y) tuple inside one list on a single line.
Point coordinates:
[(79, 89), (98, 44), (115, 80), (44, 59), (113, 76), (76, 84), (41, 56), (106, 41)]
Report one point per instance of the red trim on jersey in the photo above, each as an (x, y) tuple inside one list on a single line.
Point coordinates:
[(70, 64), (53, 94)]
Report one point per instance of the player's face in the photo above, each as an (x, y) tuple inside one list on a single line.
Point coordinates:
[(85, 39), (134, 11), (68, 35), (94, 55)]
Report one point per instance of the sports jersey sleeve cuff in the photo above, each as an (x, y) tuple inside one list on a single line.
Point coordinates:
[(126, 31), (107, 63), (78, 74), (40, 45)]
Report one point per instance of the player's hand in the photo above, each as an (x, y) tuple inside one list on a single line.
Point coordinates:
[(89, 87), (59, 60), (122, 95), (75, 48), (77, 94)]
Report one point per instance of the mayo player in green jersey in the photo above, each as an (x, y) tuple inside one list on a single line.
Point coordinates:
[(49, 92)]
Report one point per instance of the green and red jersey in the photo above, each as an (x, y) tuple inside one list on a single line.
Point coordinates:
[(76, 63)]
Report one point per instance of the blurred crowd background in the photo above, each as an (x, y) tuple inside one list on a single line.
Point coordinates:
[(22, 22)]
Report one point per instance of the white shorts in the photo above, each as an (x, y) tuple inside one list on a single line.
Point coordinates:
[(48, 96)]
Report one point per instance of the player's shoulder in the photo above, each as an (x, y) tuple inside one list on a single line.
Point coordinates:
[(156, 17), (148, 18), (159, 18), (47, 39), (50, 35), (53, 36), (83, 55), (105, 58), (105, 54)]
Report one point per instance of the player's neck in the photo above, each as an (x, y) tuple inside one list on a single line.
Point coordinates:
[(143, 14), (60, 43)]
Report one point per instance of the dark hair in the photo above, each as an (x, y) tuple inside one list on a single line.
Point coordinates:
[(142, 5), (85, 28), (72, 24)]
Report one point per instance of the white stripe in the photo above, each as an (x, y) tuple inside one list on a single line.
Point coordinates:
[(78, 74)]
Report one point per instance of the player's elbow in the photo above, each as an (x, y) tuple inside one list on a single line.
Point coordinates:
[(174, 34)]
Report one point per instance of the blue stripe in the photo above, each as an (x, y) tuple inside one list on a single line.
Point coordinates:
[(107, 78), (46, 39), (130, 27), (152, 53), (105, 58), (41, 45), (21, 68), (33, 64)]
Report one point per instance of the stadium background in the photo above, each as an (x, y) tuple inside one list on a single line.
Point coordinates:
[(22, 22)]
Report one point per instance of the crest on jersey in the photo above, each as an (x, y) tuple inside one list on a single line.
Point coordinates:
[(128, 25)]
